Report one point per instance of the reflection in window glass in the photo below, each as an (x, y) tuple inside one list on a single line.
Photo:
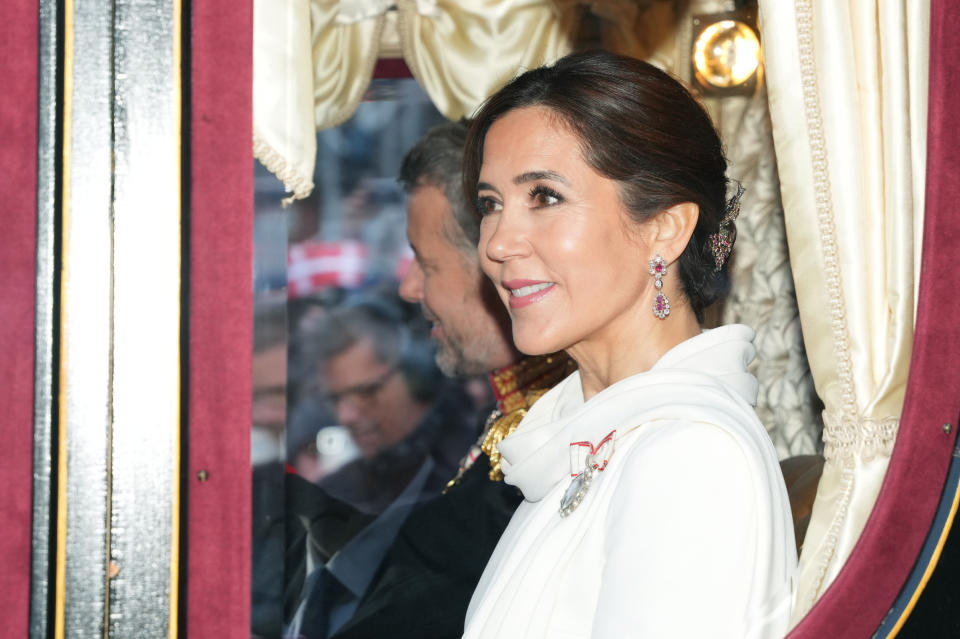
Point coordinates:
[(354, 425)]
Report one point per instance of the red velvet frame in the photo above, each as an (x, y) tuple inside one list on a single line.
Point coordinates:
[(217, 545), (856, 602), (221, 163), (19, 24), (218, 380)]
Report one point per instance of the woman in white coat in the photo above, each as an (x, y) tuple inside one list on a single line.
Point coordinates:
[(653, 500)]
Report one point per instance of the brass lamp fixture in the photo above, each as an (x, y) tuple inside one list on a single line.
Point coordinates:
[(727, 58)]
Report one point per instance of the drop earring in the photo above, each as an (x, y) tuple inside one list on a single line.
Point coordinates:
[(661, 305)]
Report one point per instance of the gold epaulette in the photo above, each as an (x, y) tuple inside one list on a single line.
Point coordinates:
[(503, 426), (516, 388)]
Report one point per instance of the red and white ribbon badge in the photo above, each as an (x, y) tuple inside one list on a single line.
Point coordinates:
[(585, 455)]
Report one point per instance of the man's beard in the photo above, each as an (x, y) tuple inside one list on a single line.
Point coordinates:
[(453, 361)]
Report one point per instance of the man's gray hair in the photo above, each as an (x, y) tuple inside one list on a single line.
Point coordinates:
[(436, 160), (341, 328)]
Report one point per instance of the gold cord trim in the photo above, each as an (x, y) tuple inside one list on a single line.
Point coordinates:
[(516, 388), (503, 427), (60, 578)]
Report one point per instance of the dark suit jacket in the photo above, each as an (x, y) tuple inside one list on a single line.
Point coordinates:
[(425, 582)]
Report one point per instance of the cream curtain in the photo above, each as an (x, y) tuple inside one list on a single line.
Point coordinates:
[(847, 92), (284, 139), (313, 61), (461, 51)]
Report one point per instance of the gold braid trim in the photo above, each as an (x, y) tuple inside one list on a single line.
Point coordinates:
[(516, 388), (503, 427)]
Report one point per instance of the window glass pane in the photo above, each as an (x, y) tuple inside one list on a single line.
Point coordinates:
[(354, 425)]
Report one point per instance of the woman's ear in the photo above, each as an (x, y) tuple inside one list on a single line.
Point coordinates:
[(672, 228)]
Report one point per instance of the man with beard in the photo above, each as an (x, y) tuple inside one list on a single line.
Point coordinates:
[(425, 582)]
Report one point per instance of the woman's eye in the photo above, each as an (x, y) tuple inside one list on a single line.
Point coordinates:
[(487, 205), (543, 196)]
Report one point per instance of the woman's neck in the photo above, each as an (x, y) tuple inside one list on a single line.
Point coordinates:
[(619, 354)]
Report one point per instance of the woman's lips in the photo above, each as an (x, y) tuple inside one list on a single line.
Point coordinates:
[(525, 292)]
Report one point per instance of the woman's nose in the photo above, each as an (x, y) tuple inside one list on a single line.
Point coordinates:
[(505, 239)]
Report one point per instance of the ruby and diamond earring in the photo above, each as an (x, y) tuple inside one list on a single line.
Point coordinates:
[(661, 305)]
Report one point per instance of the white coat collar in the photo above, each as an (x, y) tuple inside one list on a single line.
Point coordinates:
[(700, 378)]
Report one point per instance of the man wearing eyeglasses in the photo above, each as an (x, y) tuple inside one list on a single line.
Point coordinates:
[(411, 427), (406, 420), (371, 398)]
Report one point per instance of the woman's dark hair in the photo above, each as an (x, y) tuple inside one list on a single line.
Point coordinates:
[(639, 127)]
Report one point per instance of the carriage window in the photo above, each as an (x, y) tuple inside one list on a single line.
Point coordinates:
[(353, 423)]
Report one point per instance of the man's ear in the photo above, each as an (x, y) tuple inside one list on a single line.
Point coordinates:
[(670, 230)]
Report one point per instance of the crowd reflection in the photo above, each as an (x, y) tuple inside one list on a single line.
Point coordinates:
[(355, 428)]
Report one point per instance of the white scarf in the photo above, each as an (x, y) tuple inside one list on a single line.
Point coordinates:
[(703, 379)]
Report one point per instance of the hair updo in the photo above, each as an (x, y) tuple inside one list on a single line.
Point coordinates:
[(639, 127)]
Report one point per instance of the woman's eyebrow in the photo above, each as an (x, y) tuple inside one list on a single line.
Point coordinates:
[(483, 186), (533, 176)]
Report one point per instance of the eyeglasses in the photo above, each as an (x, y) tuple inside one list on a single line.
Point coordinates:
[(360, 394)]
